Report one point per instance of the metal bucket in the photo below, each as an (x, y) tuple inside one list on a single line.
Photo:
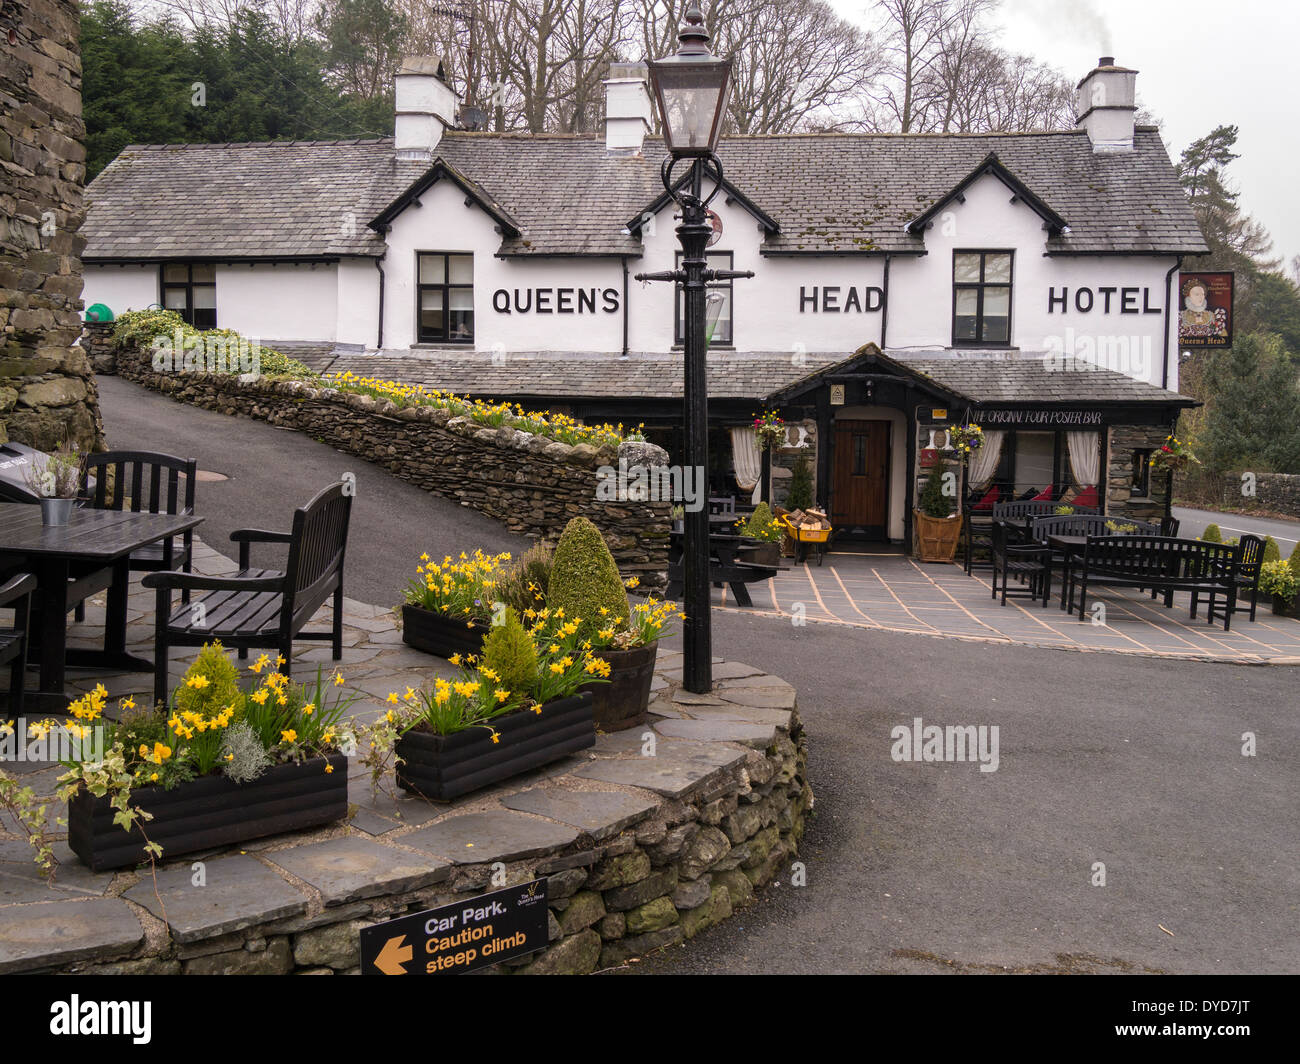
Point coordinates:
[(55, 512)]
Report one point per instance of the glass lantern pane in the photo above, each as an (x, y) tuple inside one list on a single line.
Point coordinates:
[(691, 95)]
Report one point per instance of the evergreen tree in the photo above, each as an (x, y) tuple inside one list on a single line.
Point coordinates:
[(1252, 424)]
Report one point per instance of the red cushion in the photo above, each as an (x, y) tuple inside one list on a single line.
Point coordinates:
[(1043, 496), (990, 497), (1087, 496)]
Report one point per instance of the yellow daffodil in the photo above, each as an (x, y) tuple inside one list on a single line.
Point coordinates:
[(289, 735)]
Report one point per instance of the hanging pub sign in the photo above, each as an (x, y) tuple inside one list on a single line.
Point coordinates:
[(1205, 309), (459, 937), (716, 223)]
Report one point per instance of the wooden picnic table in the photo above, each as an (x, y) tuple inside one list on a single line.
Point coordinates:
[(91, 552)]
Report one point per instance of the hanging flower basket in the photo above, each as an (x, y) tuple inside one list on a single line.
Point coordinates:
[(965, 440), (1174, 456), (770, 430)]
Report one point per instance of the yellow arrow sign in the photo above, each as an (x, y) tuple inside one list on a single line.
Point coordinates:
[(393, 955)]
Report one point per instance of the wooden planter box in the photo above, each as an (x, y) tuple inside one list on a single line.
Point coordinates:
[(621, 703), (435, 633), (209, 812), (936, 537), (1285, 607), (761, 553), (442, 767)]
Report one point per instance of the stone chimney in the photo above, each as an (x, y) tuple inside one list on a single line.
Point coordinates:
[(426, 106), (1106, 102), (627, 107)]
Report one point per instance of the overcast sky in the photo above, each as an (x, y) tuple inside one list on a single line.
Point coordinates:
[(1203, 63)]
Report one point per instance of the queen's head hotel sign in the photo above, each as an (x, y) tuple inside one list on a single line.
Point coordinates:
[(1205, 310)]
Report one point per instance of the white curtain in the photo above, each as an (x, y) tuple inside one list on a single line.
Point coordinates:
[(985, 461), (748, 460), (1085, 457)]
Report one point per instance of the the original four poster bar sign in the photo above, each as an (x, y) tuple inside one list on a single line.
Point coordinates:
[(460, 937)]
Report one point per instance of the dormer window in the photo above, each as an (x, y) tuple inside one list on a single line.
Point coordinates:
[(446, 298), (981, 298)]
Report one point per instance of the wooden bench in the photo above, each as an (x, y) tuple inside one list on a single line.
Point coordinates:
[(1160, 563), (1040, 528), (261, 608), (725, 567)]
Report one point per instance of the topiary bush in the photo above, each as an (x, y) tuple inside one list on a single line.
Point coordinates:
[(510, 655), (1211, 534), (217, 688), (1272, 552), (585, 581), (1294, 560), (800, 494), (934, 503)]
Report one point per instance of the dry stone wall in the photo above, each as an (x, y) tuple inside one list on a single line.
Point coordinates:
[(47, 389), (531, 484)]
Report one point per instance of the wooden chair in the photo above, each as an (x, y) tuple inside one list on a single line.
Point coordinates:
[(1169, 527), (261, 608), (144, 482), (1029, 563), (1247, 576), (16, 593)]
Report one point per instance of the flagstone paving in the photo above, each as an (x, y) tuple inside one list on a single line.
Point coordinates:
[(890, 592), (691, 746)]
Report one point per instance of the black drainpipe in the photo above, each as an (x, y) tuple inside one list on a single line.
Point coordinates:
[(1169, 308), (379, 265), (624, 306), (884, 310)]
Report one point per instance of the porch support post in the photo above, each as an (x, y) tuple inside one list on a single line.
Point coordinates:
[(825, 445), (909, 408)]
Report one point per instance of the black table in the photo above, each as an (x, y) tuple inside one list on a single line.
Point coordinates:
[(67, 562)]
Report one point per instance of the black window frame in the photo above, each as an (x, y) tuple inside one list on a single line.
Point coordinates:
[(446, 289), (980, 287), (679, 333), (188, 286)]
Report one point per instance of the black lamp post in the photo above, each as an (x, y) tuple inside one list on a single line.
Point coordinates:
[(691, 90)]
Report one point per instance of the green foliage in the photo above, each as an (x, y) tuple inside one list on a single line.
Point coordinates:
[(210, 684), (510, 655), (800, 494), (259, 83), (1255, 407), (762, 526), (934, 503), (1294, 560), (1272, 552), (139, 329), (524, 586), (584, 579), (1278, 578), (243, 757), (1212, 534)]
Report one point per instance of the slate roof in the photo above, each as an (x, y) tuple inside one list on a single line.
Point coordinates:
[(841, 193), (737, 375)]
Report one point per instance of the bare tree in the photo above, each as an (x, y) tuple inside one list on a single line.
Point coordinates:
[(914, 32)]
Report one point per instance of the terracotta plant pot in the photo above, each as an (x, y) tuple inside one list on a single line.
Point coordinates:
[(936, 537), (436, 633), (622, 702), (442, 767), (210, 811)]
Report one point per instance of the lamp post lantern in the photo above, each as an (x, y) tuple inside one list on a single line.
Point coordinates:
[(690, 89)]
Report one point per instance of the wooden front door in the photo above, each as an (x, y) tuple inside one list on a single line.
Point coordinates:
[(860, 485)]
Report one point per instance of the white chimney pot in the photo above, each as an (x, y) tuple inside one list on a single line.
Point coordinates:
[(426, 107), (627, 107), (1106, 102)]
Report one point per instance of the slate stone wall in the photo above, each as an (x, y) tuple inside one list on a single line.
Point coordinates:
[(47, 389), (684, 866), (1277, 492), (532, 485), (1124, 440)]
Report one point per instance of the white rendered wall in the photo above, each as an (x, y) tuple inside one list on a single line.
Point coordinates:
[(358, 302), (120, 288), (280, 302)]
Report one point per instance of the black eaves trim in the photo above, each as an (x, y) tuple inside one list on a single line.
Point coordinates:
[(992, 165), (475, 192)]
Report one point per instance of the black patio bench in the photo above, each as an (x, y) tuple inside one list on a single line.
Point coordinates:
[(1160, 563), (261, 608), (735, 574)]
